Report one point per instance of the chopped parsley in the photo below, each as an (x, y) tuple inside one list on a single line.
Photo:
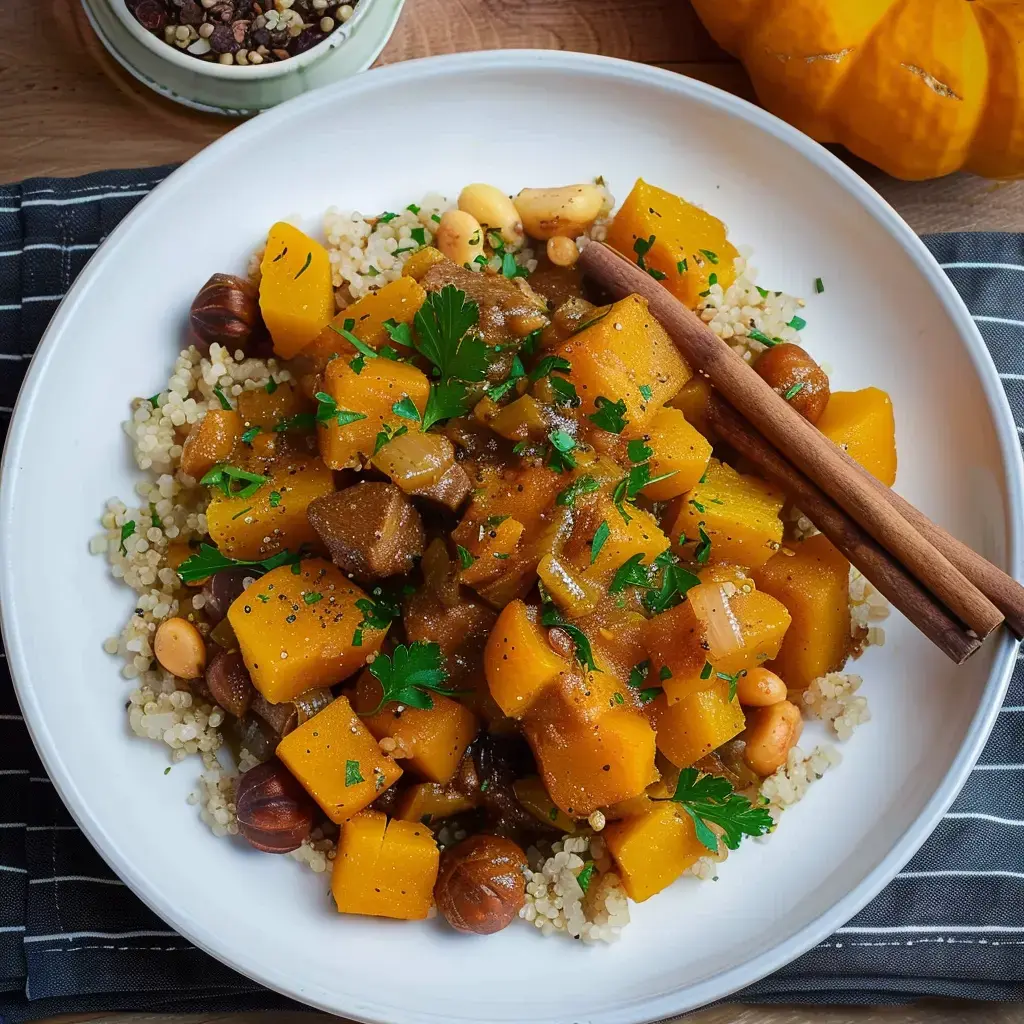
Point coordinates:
[(549, 365), (224, 478), (413, 208), (406, 408), (238, 515), (630, 574), (311, 597), (763, 338), (401, 334), (127, 530), (443, 324), (409, 674), (732, 680), (791, 392), (553, 814), (682, 266), (511, 269), (419, 235), (153, 517), (585, 484), (271, 386), (305, 266), (466, 557), (328, 411), (703, 550), (516, 373), (600, 536), (155, 400), (711, 799), (379, 611), (647, 391), (637, 680), (705, 672), (709, 255), (352, 774), (798, 323), (250, 435), (584, 655), (208, 560), (639, 475), (275, 499), (642, 246), (584, 878), (385, 434), (609, 415), (675, 582), (387, 216), (560, 456), (697, 505), (819, 285), (221, 397), (444, 402)]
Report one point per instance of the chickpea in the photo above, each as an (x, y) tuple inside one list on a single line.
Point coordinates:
[(562, 251), (759, 688), (771, 733), (567, 211), (460, 237), (788, 369), (495, 212), (179, 648)]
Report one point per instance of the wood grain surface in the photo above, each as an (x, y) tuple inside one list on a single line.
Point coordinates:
[(68, 108)]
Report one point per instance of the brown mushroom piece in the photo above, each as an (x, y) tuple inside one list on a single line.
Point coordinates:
[(797, 377), (480, 884), (371, 530)]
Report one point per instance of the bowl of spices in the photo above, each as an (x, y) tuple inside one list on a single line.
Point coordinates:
[(241, 56)]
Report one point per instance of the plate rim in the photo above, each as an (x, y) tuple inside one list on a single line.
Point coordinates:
[(718, 985)]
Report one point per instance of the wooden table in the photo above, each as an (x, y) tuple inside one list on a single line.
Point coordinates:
[(68, 108)]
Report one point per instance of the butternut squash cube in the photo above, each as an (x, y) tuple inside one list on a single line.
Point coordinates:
[(694, 401), (428, 802), (259, 407), (338, 761), (679, 240), (862, 424), (490, 552), (740, 515), (296, 630), (296, 294), (397, 300), (698, 724), (640, 536), (273, 518), (432, 740), (814, 585), (417, 265), (619, 354), (210, 441), (518, 660), (385, 868), (530, 792), (679, 449), (677, 650), (653, 849), (372, 393)]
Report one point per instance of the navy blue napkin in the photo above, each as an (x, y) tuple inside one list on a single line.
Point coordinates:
[(73, 938)]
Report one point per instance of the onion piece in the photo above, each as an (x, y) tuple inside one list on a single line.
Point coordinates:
[(722, 628), (415, 460)]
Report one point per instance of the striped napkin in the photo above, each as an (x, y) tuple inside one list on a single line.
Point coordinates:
[(74, 939)]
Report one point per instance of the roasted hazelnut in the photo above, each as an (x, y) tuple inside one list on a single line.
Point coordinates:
[(228, 682), (274, 812), (797, 377), (480, 884), (226, 310)]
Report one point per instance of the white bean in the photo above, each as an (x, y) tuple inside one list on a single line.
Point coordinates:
[(566, 211), (495, 212), (460, 237)]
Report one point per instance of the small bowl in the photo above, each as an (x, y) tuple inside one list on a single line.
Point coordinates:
[(236, 90)]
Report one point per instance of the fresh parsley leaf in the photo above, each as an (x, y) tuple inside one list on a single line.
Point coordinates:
[(658, 275), (516, 373), (819, 285), (560, 457), (601, 534), (221, 397), (275, 499), (590, 323), (763, 292), (271, 386), (675, 582), (224, 478), (413, 208), (631, 573), (697, 505), (798, 323), (358, 344), (791, 392), (419, 235), (646, 391), (711, 257), (250, 435), (379, 610), (352, 774), (682, 266), (442, 324), (584, 654), (637, 680), (328, 411), (385, 434), (127, 530), (400, 334), (609, 415), (209, 560), (763, 338), (664, 673), (528, 346), (703, 550), (549, 365), (238, 515), (406, 408), (710, 798), (586, 875), (565, 392), (466, 557), (445, 401), (642, 246), (732, 680), (639, 451), (155, 400), (585, 484), (705, 672), (385, 217), (409, 675), (153, 517), (511, 269), (311, 597)]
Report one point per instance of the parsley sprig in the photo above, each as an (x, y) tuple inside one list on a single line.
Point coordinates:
[(234, 481), (208, 560), (329, 411), (711, 799), (609, 415), (550, 616), (379, 610), (638, 681), (409, 675), (675, 582), (443, 324)]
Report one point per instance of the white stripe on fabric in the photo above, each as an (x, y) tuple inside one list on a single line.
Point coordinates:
[(1012, 376), (926, 928), (12, 927), (1011, 707), (12, 356), (950, 873), (43, 298), (13, 869), (61, 936), (998, 768), (34, 246), (75, 878), (998, 320), (980, 816), (92, 188), (11, 718), (13, 824), (52, 828), (40, 778), (981, 266), (82, 199), (13, 771), (9, 307)]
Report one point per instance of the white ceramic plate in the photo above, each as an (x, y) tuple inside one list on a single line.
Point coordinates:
[(888, 317)]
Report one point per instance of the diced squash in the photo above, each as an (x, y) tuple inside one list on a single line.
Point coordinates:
[(741, 630), (677, 651), (740, 515), (640, 536), (590, 764), (653, 849), (338, 761), (679, 240), (862, 424), (521, 420), (616, 637), (694, 401), (679, 449), (417, 265), (385, 868), (525, 495), (267, 409), (210, 441), (518, 661), (372, 394), (491, 552), (530, 792), (274, 517), (398, 301), (698, 724), (619, 354), (431, 740), (573, 593), (296, 630), (296, 294), (428, 802), (814, 585)]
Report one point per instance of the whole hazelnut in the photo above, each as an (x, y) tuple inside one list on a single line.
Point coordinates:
[(274, 812), (480, 884), (225, 310)]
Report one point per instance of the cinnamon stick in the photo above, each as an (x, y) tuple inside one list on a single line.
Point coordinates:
[(805, 446), (892, 580)]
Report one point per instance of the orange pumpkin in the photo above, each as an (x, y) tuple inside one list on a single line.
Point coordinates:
[(921, 88)]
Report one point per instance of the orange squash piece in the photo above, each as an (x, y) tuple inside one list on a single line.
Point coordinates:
[(491, 551), (338, 761), (372, 393), (651, 850), (530, 792), (296, 294), (518, 661), (679, 240), (296, 631), (640, 536), (676, 648), (430, 740), (385, 868), (740, 515), (814, 584), (274, 518), (617, 355), (679, 449), (693, 727), (427, 802), (862, 424), (210, 441), (694, 401), (265, 409)]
